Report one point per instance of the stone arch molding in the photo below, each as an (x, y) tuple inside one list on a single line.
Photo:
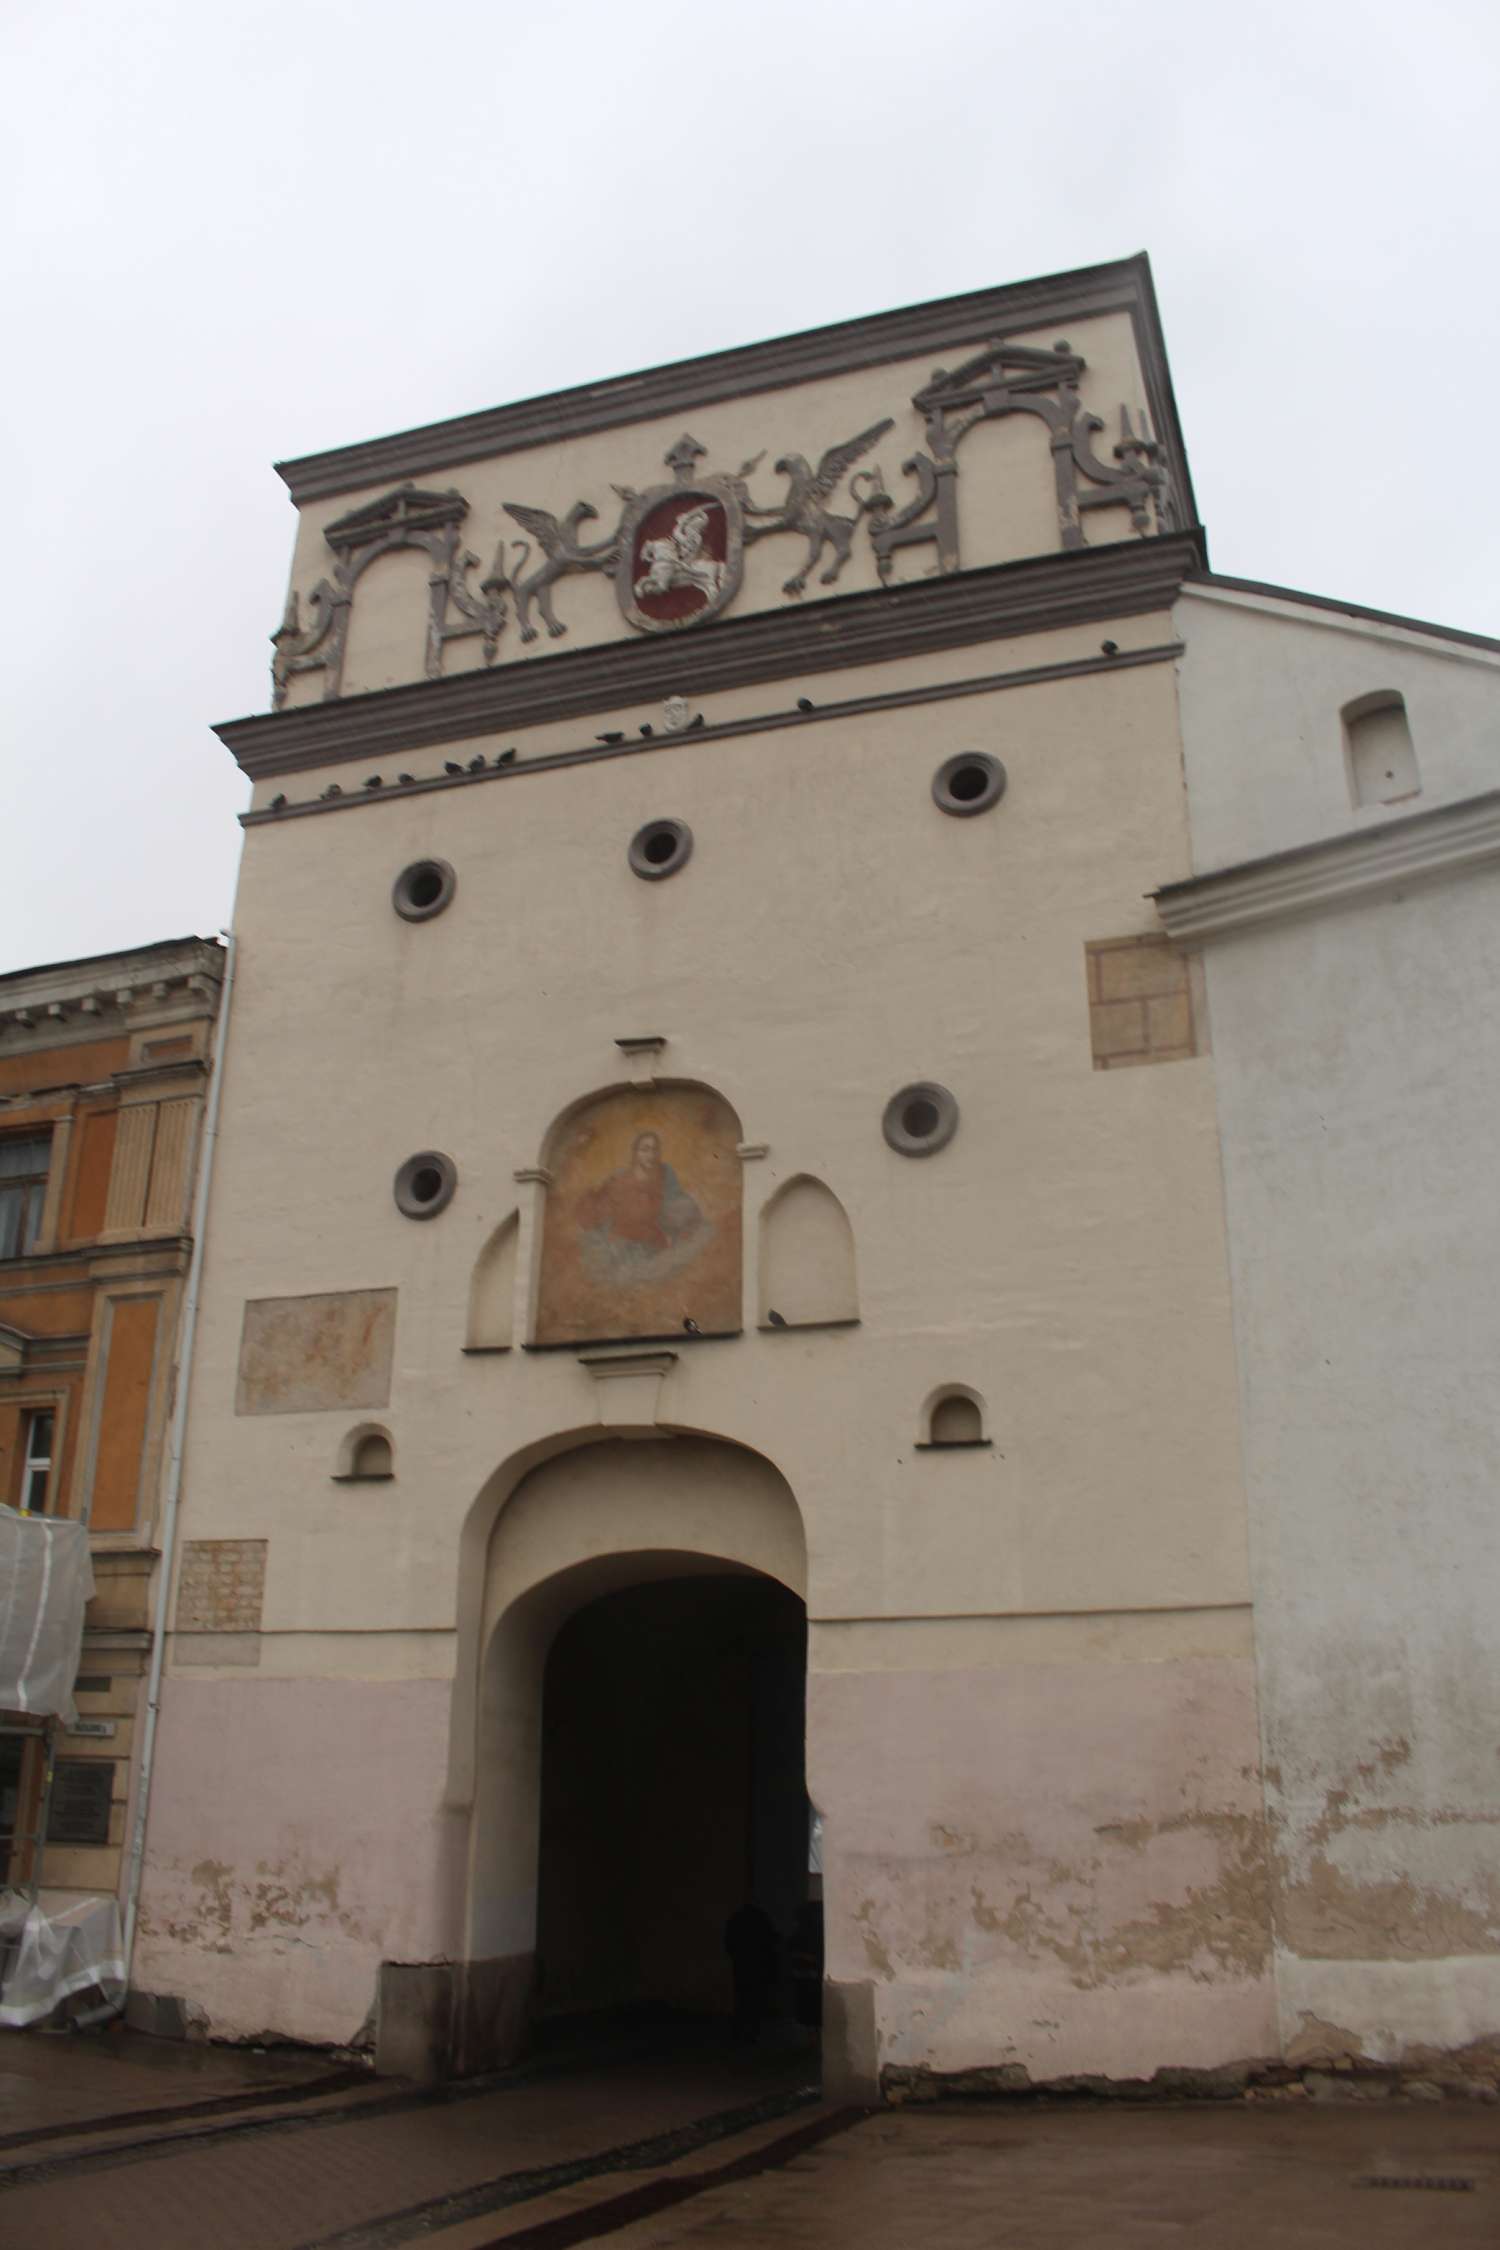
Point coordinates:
[(806, 1276), (584, 1521), (407, 517)]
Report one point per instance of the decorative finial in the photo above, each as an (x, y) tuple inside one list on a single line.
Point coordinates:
[(685, 454)]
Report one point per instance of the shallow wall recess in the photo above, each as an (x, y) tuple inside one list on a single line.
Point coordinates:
[(492, 1291), (807, 1275), (952, 1417), (365, 1456)]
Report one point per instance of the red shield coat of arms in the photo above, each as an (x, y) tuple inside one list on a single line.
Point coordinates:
[(681, 551)]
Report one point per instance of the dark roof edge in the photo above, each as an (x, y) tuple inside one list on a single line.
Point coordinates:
[(1346, 609), (941, 324), (880, 625), (119, 953)]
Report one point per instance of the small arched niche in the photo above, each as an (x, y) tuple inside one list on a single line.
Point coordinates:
[(952, 1419), (1379, 754), (492, 1291), (806, 1258), (365, 1456)]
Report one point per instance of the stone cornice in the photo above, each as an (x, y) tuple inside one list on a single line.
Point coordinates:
[(1124, 579), (1449, 840), (94, 995), (945, 326)]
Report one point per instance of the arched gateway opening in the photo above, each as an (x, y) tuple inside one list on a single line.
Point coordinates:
[(637, 1739), (673, 1796)]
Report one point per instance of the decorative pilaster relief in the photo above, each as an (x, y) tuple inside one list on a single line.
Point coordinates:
[(135, 1137), (166, 1197), (406, 517), (1007, 379)]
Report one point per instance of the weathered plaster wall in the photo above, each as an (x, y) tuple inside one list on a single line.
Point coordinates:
[(1359, 1081), (833, 937), (297, 1840), (1077, 1883)]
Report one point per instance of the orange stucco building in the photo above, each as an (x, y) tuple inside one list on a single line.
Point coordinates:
[(104, 1065)]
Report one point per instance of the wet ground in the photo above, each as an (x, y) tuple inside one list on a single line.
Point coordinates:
[(123, 2143)]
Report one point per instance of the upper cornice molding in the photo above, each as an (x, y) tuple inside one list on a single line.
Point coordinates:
[(62, 1002), (1449, 840), (942, 325), (1124, 579)]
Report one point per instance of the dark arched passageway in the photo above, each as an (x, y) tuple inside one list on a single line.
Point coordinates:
[(673, 1792)]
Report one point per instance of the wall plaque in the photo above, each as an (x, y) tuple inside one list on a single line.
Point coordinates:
[(81, 1792)]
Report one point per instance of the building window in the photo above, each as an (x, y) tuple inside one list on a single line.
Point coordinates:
[(36, 1467), (23, 1186)]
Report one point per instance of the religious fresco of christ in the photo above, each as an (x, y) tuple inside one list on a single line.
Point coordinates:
[(641, 1235), (640, 1224)]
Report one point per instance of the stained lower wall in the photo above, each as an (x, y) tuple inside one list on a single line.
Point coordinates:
[(1359, 1084), (297, 1840), (1043, 1856)]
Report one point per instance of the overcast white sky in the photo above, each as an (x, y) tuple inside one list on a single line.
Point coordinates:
[(240, 230)]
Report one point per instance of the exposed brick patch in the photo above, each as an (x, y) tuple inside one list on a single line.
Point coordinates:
[(222, 1586), (1140, 1002)]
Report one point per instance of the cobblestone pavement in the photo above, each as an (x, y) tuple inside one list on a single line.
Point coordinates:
[(49, 2082), (1116, 2177), (710, 2148), (385, 2161)]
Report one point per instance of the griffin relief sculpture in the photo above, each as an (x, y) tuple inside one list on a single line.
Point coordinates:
[(804, 508)]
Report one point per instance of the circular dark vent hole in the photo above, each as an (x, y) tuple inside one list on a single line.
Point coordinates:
[(660, 848), (969, 782), (425, 1184), (423, 889), (920, 1119)]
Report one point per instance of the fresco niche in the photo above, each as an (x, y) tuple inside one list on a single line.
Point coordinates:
[(642, 1230)]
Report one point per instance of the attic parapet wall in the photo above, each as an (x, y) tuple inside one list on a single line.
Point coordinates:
[(945, 325)]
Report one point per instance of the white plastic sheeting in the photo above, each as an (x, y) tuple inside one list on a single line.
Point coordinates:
[(45, 1579), (50, 1950)]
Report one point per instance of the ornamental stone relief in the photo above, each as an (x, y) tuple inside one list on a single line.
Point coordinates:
[(677, 551)]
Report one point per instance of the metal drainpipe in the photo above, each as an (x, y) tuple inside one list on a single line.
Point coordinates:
[(174, 1482)]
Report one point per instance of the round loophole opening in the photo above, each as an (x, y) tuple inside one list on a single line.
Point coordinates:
[(425, 1184), (969, 782), (660, 848), (920, 1120), (423, 889)]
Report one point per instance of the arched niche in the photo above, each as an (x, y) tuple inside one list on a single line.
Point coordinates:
[(492, 1291), (365, 1455), (641, 1233), (952, 1418), (1380, 756), (806, 1277)]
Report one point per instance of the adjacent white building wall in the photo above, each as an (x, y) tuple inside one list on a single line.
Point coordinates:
[(1264, 683), (1359, 1083)]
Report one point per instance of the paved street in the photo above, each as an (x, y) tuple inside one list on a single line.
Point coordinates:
[(137, 2145)]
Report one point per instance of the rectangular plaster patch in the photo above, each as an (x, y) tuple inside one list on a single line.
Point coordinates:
[(222, 1586), (302, 1355)]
